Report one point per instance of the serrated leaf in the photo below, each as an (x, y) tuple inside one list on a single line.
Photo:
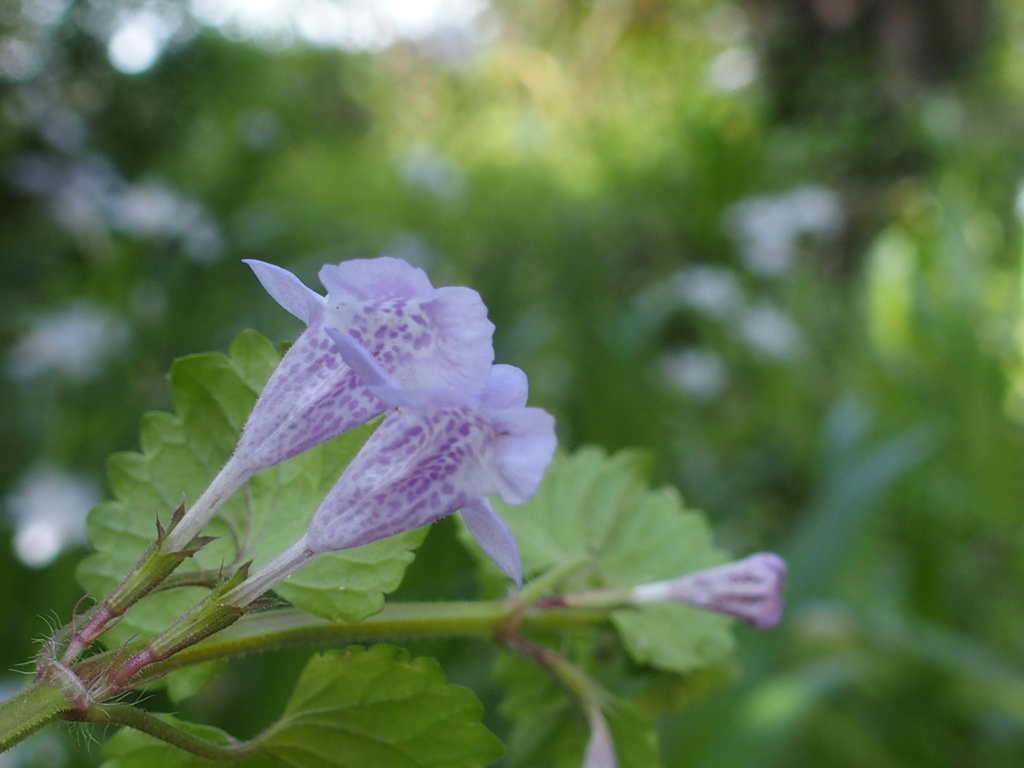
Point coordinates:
[(338, 585), (549, 729), (598, 510), (213, 394), (350, 709)]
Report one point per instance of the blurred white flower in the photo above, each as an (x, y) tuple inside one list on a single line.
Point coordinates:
[(72, 343), (45, 13), (699, 373), (733, 69), (771, 332), (423, 167), (140, 35), (815, 211), (715, 291), (346, 24), (144, 209), (48, 508), (89, 197), (768, 228), (152, 209), (22, 59), (64, 129)]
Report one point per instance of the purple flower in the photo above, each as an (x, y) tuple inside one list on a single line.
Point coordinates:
[(748, 589), (600, 751), (441, 450), (422, 336)]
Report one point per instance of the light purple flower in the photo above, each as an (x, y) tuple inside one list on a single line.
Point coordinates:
[(422, 336), (748, 589), (600, 751), (441, 450)]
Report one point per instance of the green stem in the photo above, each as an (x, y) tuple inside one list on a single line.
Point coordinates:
[(210, 579), (152, 568), (140, 720), (29, 710), (285, 627), (536, 588), (41, 703)]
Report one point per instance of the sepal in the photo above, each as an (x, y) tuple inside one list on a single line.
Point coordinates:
[(287, 290)]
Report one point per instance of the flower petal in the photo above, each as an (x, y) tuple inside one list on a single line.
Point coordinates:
[(358, 358), (384, 277), (526, 443), (600, 751), (463, 346), (287, 290), (424, 337), (494, 537), (384, 387), (416, 468), (311, 397), (506, 387)]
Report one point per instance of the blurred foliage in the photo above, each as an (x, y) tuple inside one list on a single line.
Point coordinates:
[(858, 408)]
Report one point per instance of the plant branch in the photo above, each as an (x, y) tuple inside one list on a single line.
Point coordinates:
[(28, 710), (286, 627), (140, 720)]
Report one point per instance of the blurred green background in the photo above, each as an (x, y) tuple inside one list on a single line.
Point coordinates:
[(777, 243)]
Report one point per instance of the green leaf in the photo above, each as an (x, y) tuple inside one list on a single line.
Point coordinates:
[(341, 585), (187, 682), (213, 394), (350, 709), (598, 510), (550, 729)]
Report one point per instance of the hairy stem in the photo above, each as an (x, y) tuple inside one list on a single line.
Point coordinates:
[(286, 627), (140, 720), (152, 568), (29, 710), (41, 703)]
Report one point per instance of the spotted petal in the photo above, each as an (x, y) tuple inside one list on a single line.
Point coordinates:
[(416, 468), (440, 450), (385, 388)]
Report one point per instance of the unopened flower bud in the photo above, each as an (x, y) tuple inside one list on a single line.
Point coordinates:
[(749, 589)]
